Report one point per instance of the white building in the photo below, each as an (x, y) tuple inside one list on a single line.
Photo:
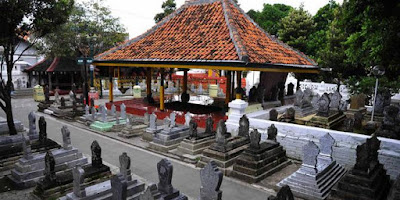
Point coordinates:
[(28, 58)]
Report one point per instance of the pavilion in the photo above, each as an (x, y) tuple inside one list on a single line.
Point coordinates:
[(205, 34)]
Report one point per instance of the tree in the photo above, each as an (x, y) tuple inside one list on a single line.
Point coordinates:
[(270, 17), (168, 6), (21, 19), (89, 27)]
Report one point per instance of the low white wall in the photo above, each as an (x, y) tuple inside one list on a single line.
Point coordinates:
[(293, 137)]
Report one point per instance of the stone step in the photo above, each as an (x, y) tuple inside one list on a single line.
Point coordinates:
[(243, 161), (239, 174), (258, 171)]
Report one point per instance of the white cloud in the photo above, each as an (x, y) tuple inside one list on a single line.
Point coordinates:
[(137, 15)]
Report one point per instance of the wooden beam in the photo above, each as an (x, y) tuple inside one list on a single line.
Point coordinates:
[(110, 89), (228, 87), (239, 85)]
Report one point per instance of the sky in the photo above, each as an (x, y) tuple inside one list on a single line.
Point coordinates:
[(137, 16)]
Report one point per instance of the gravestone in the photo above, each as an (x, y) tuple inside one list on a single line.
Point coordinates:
[(272, 132), (94, 113), (209, 125), (318, 173), (113, 110), (26, 147), (66, 138), (244, 127), (32, 124), (146, 195), (211, 179), (188, 118), (299, 97), (119, 188), (259, 160), (343, 106), (395, 191), (290, 90), (165, 170), (379, 104), (335, 99), (123, 111), (74, 106), (103, 113), (47, 94), (358, 118), (253, 94), (273, 115), (290, 114), (220, 137), (348, 124), (283, 194), (323, 105), (357, 101), (79, 176), (125, 166), (71, 96), (260, 93), (42, 129), (172, 117), (49, 169), (367, 180), (97, 161), (57, 98), (87, 113), (390, 127), (314, 100), (146, 118), (193, 129), (62, 102)]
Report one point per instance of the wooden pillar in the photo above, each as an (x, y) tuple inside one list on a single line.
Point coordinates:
[(162, 90), (239, 85), (50, 83), (228, 87), (40, 78), (148, 81), (111, 87), (232, 86), (185, 80)]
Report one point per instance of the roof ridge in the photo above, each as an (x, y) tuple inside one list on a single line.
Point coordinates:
[(148, 32), (235, 37), (199, 2), (273, 38), (53, 64)]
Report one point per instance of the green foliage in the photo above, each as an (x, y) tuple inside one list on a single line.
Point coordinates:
[(91, 29), (270, 16), (168, 6), (366, 85), (296, 29)]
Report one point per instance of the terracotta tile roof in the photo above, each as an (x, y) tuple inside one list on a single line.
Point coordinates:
[(207, 30), (58, 64)]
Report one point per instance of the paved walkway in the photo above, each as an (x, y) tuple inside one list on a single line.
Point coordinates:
[(186, 177)]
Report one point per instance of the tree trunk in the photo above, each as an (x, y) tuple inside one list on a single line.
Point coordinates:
[(10, 118), (7, 96)]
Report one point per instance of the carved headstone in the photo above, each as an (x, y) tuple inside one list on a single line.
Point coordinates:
[(326, 145), (290, 90), (299, 98), (87, 111), (357, 101), (362, 160), (26, 147), (209, 125), (343, 106), (146, 195), (172, 117), (79, 176), (66, 138), (323, 105), (165, 170), (290, 113), (211, 179), (272, 132), (308, 93), (374, 145), (117, 121), (119, 187), (57, 97), (74, 106), (167, 122), (193, 129), (244, 127), (253, 94), (358, 118), (310, 154), (314, 101), (42, 129), (97, 161), (125, 165), (32, 123), (71, 95), (188, 118), (94, 112), (283, 194), (389, 117), (221, 131), (348, 124), (103, 110), (123, 111), (153, 121), (273, 115), (146, 118), (260, 93), (49, 167), (46, 93), (379, 103), (113, 110), (335, 100), (255, 138), (62, 102)]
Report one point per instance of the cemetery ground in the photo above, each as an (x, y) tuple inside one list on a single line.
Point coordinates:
[(144, 162)]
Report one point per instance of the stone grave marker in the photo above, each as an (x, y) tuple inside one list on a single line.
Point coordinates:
[(255, 138), (172, 117), (103, 111), (188, 117), (290, 114), (211, 179), (57, 98), (343, 106), (113, 110), (395, 191), (273, 115), (326, 149), (66, 135), (299, 97), (220, 138), (49, 168), (32, 123), (71, 95), (323, 105), (146, 118), (244, 127), (97, 161), (146, 195), (272, 132), (87, 111), (42, 129), (358, 118), (165, 170), (123, 111), (119, 188), (74, 105), (46, 93), (193, 129), (62, 102), (153, 121), (125, 166), (209, 125), (348, 124), (94, 112), (335, 100), (310, 154), (283, 194), (26, 147), (79, 176)]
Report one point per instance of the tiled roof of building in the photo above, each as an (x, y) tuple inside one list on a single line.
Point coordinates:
[(58, 64), (207, 31)]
